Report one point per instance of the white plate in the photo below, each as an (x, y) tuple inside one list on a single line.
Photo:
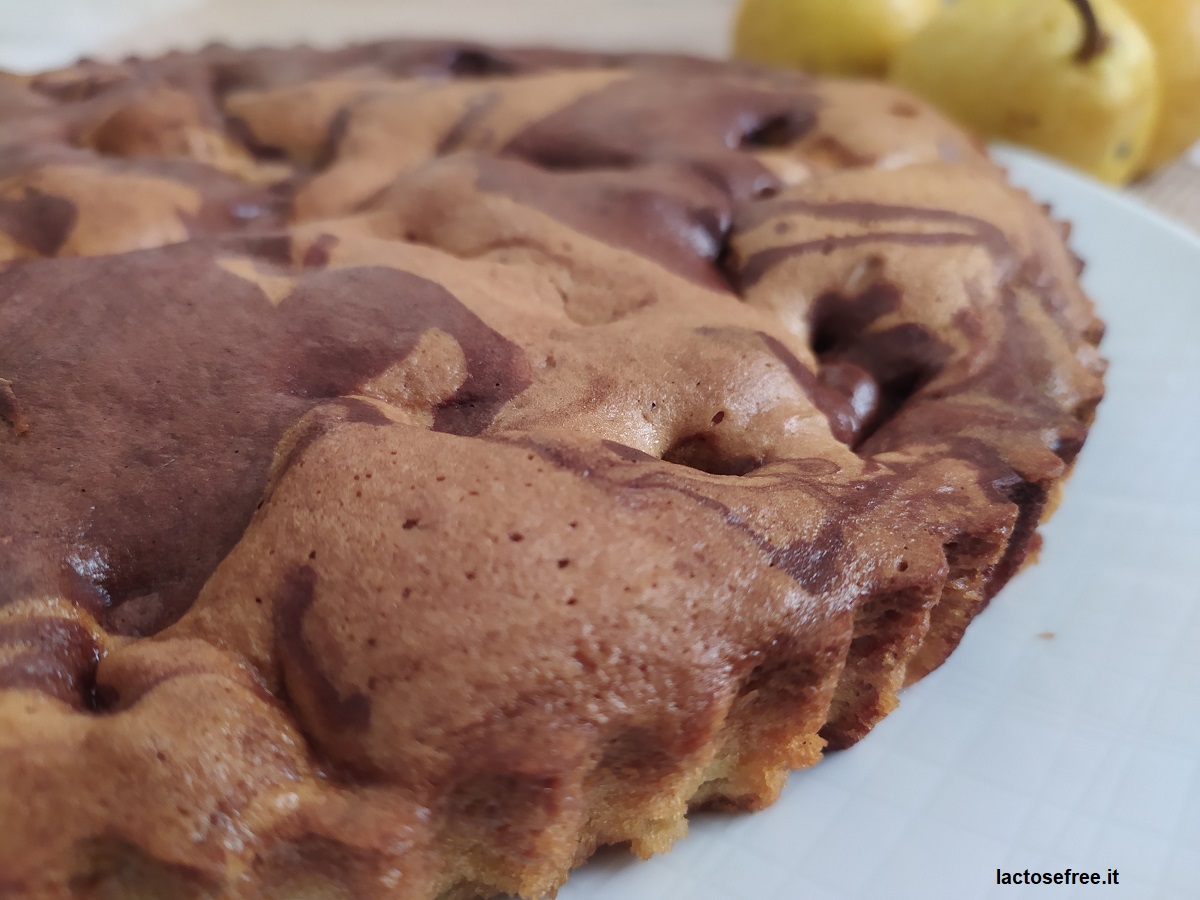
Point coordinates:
[(1065, 731), (1023, 751)]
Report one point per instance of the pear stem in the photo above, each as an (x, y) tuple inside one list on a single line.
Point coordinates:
[(1095, 41)]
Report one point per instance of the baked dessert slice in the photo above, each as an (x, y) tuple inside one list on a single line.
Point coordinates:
[(422, 464)]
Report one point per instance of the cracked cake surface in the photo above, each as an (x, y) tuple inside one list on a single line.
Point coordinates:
[(423, 463)]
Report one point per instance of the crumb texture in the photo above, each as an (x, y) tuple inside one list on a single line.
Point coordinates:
[(424, 463)]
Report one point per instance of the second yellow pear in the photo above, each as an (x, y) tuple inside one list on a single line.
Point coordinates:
[(1072, 78), (1173, 27)]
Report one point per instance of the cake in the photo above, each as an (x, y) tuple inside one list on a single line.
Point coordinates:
[(422, 463)]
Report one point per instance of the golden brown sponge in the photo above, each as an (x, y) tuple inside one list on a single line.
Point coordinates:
[(421, 464)]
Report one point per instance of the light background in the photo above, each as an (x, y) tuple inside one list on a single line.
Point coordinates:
[(1079, 751), (42, 33)]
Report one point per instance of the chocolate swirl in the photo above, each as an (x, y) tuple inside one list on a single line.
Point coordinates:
[(423, 463)]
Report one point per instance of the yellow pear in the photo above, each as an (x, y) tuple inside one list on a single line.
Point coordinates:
[(1173, 27), (837, 37), (1076, 79)]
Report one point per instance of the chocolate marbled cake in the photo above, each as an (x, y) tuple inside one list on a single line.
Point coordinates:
[(421, 464)]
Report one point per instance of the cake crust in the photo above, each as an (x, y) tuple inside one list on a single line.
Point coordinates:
[(424, 463)]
